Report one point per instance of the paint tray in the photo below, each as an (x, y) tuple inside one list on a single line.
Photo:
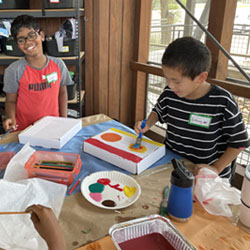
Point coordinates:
[(148, 225), (59, 176)]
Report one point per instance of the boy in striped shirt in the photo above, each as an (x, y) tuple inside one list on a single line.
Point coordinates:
[(204, 123)]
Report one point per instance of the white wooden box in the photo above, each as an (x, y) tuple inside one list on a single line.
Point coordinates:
[(51, 132), (115, 146)]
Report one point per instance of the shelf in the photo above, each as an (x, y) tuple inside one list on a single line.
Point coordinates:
[(4, 59), (12, 13), (74, 101), (75, 61)]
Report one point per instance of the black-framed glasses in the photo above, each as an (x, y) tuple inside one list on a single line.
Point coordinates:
[(31, 37)]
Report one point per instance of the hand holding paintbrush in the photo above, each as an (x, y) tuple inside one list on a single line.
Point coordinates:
[(46, 224), (139, 138)]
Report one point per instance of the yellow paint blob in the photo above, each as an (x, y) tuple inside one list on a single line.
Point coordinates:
[(129, 191)]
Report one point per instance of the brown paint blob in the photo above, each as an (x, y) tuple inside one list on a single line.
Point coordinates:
[(75, 243), (109, 203), (111, 137)]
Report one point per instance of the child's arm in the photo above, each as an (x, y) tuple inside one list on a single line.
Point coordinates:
[(10, 111), (47, 226), (63, 101), (229, 155), (152, 119)]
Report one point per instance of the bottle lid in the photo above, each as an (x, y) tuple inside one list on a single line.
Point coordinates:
[(181, 176)]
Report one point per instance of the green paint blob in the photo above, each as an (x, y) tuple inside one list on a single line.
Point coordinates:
[(96, 188)]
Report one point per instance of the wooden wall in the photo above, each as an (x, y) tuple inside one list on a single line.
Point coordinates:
[(109, 45)]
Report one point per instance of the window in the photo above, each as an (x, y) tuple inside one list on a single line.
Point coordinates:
[(169, 21)]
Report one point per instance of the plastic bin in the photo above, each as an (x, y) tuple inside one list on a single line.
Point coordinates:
[(62, 4), (59, 176), (68, 48), (14, 4), (154, 224), (10, 47)]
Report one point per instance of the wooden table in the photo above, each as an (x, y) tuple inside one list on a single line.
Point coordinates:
[(85, 223)]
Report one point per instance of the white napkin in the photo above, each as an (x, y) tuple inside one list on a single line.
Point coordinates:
[(16, 194)]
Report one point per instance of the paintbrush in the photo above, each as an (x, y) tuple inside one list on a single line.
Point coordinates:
[(164, 203), (139, 138)]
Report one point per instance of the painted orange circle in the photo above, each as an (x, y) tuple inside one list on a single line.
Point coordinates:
[(141, 149), (111, 137)]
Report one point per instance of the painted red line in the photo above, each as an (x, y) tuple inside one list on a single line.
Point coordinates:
[(113, 150)]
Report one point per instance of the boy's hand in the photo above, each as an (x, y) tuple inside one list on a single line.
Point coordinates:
[(9, 123), (138, 129), (197, 168), (47, 226)]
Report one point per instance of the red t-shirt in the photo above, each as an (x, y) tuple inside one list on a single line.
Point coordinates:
[(38, 89)]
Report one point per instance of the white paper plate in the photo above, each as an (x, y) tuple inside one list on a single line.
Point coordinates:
[(115, 197)]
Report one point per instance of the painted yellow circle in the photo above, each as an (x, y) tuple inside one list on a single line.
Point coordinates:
[(141, 149)]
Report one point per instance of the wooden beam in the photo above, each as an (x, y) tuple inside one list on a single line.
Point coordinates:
[(114, 72), (127, 51), (143, 67), (220, 25), (234, 88), (101, 51), (142, 34), (89, 58)]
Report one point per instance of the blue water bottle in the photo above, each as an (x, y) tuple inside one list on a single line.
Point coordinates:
[(180, 201)]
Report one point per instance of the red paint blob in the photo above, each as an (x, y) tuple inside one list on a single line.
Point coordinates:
[(111, 137), (104, 181), (140, 149), (154, 241)]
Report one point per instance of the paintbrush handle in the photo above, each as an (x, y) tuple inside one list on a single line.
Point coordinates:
[(8, 213), (143, 124)]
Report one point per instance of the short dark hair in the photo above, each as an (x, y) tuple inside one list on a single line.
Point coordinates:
[(24, 21), (188, 55)]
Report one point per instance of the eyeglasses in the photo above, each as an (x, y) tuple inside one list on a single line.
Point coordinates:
[(31, 37)]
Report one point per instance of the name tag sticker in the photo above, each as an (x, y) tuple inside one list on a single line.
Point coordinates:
[(54, 1), (52, 77), (200, 120)]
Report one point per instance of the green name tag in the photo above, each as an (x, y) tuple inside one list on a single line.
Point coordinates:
[(200, 120), (51, 77)]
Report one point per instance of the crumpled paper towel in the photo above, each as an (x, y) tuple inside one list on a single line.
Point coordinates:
[(16, 194), (215, 193)]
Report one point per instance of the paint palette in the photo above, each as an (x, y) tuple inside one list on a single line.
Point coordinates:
[(110, 189)]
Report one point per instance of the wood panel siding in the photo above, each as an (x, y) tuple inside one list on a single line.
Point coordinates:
[(109, 49)]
